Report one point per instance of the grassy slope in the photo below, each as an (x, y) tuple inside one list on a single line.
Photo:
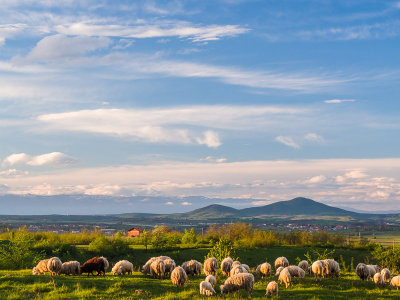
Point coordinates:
[(22, 285)]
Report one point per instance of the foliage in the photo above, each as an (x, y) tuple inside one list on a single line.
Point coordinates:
[(101, 246), (388, 257), (163, 238), (222, 249), (317, 255), (189, 237), (18, 252)]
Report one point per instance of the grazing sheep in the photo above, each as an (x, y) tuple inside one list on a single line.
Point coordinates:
[(363, 271), (106, 263), (264, 269), (41, 267), (375, 267), (70, 268), (378, 279), (93, 264), (235, 263), (206, 289), (146, 266), (295, 271), (226, 265), (192, 267), (54, 265), (238, 269), (157, 269), (331, 268), (278, 271), (246, 267), (372, 271), (178, 276), (169, 265), (304, 265), (318, 269), (272, 289), (281, 262), (122, 267), (284, 277), (237, 282), (211, 279), (385, 274), (395, 282), (210, 266)]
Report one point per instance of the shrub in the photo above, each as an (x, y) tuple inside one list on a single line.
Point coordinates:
[(223, 248)]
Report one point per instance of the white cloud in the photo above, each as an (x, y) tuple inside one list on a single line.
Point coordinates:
[(355, 174), (316, 179), (288, 141), (178, 29), (169, 203), (210, 139), (335, 101), (61, 47), (13, 173), (9, 30), (215, 159), (48, 159), (185, 203), (313, 137)]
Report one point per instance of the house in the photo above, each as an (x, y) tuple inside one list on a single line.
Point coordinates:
[(135, 231)]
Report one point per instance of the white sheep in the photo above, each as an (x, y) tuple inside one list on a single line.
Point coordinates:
[(226, 265), (211, 279), (281, 262), (54, 265), (378, 279), (146, 266), (157, 269), (238, 269), (304, 265), (70, 268), (284, 277), (235, 263), (192, 267), (372, 271), (295, 271), (332, 268), (246, 267), (122, 267), (363, 271), (395, 282), (385, 274), (178, 276), (272, 289), (41, 267), (375, 268), (210, 266), (169, 265), (106, 263), (318, 268), (278, 271), (206, 289), (238, 282), (264, 269)]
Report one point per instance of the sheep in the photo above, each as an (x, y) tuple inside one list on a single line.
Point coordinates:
[(206, 289), (304, 265), (238, 282), (385, 274), (106, 263), (41, 267), (70, 268), (211, 279), (363, 271), (192, 267), (93, 264), (375, 268), (295, 271), (278, 271), (122, 267), (210, 266), (284, 277), (372, 271), (395, 282), (54, 265), (157, 269), (169, 265), (178, 276), (264, 269), (237, 269), (146, 266), (246, 267), (272, 289), (226, 265), (235, 263), (318, 268), (378, 279), (332, 268), (281, 262)]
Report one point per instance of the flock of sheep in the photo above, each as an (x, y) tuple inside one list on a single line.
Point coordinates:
[(239, 275)]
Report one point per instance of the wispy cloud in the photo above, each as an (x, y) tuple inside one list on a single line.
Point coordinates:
[(48, 159), (336, 101), (288, 141)]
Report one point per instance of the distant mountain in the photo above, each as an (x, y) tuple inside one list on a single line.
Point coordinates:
[(213, 211)]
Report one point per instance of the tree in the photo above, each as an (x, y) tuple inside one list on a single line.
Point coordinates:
[(189, 237), (222, 249)]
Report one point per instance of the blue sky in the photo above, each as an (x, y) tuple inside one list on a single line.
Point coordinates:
[(264, 100)]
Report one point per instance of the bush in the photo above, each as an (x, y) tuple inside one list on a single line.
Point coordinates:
[(222, 249), (101, 246)]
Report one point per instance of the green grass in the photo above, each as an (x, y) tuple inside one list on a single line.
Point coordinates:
[(23, 285)]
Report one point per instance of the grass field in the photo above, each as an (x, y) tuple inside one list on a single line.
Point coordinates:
[(23, 285)]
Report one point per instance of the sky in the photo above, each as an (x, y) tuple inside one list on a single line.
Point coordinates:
[(258, 101)]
